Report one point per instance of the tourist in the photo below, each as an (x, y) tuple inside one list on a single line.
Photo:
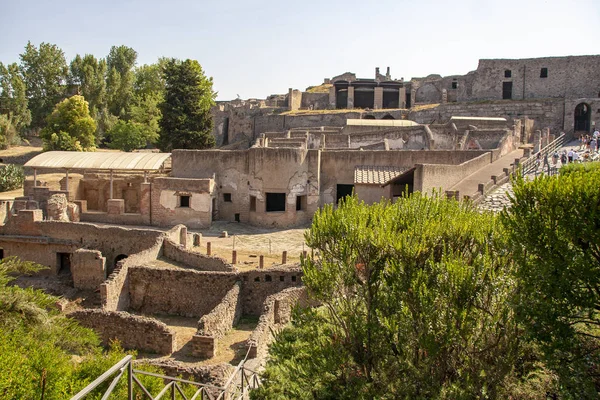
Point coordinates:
[(575, 156), (593, 143), (563, 157), (555, 158), (570, 156)]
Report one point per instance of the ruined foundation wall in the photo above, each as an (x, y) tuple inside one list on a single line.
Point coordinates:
[(132, 331), (259, 284), (224, 316), (198, 261), (114, 292), (429, 177), (187, 293), (277, 312)]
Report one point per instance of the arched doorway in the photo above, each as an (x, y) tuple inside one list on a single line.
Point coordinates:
[(369, 117), (583, 116), (388, 116)]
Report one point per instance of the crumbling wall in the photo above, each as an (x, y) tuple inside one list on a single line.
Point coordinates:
[(277, 312), (187, 293), (166, 207), (215, 324), (259, 284), (88, 269), (201, 262), (132, 331), (114, 292), (429, 177)]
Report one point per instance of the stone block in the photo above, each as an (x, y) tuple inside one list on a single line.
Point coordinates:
[(115, 206), (82, 204), (204, 346)]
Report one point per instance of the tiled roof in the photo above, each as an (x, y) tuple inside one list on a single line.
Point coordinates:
[(375, 175)]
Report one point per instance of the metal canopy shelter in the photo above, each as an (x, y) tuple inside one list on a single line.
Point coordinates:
[(97, 161)]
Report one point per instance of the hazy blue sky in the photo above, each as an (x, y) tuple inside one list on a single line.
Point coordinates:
[(261, 47)]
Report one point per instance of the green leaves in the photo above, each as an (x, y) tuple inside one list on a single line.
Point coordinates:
[(415, 293), (186, 120), (70, 127), (11, 177)]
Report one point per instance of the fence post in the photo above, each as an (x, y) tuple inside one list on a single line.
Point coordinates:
[(208, 248), (234, 257), (284, 257), (130, 381), (261, 262)]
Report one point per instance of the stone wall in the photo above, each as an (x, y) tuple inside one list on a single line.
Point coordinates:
[(215, 324), (187, 293), (546, 112), (114, 292), (259, 284), (132, 331), (166, 201), (277, 312), (429, 177), (88, 269), (198, 261)]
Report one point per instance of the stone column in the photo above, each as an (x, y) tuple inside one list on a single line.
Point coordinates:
[(444, 96), (402, 97), (350, 105), (145, 205), (413, 96), (332, 97), (378, 102)]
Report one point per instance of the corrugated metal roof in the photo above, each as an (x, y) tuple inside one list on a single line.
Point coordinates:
[(380, 122), (376, 175), (99, 160)]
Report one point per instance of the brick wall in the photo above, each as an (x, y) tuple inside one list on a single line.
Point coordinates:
[(133, 331)]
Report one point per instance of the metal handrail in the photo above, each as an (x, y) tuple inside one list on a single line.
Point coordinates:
[(238, 390), (530, 165)]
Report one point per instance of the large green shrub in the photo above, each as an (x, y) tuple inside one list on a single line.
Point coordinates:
[(11, 177), (553, 227)]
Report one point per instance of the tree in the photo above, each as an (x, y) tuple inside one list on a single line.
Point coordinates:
[(129, 135), (120, 62), (13, 96), (70, 127), (45, 74), (553, 228), (415, 305), (89, 74), (8, 133), (186, 120)]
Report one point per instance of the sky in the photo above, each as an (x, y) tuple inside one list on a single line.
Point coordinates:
[(262, 47)]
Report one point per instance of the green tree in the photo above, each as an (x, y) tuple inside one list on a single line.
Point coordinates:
[(186, 121), (8, 133), (553, 228), (70, 127), (45, 73), (13, 96), (415, 305), (129, 135), (120, 62), (89, 74)]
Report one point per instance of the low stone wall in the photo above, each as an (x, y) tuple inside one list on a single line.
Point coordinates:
[(201, 262), (224, 316), (188, 293), (215, 324), (132, 331), (277, 313), (434, 176), (114, 292), (257, 285)]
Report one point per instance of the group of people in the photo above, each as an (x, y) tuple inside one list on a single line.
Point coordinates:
[(591, 143)]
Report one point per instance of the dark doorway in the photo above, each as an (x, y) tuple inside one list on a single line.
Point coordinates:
[(225, 131), (388, 116), (63, 263), (583, 115), (343, 191), (364, 98), (120, 257), (236, 217), (403, 184), (506, 90), (408, 103), (369, 117), (1, 254), (275, 202), (341, 99), (391, 98)]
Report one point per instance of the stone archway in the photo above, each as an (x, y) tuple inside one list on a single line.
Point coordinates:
[(583, 117)]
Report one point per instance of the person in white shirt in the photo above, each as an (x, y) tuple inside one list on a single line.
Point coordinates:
[(575, 156), (570, 156)]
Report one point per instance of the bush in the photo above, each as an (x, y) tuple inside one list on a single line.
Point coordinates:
[(580, 167), (8, 133), (11, 177)]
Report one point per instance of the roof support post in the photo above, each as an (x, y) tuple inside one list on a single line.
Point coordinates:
[(35, 177), (145, 176), (111, 185), (67, 182)]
